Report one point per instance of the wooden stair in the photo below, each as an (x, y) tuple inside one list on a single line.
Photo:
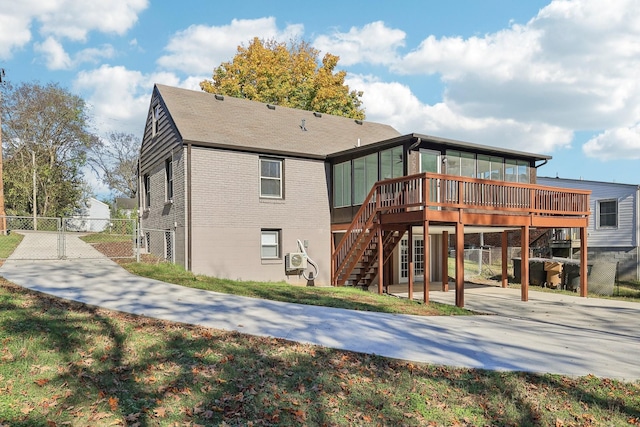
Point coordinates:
[(355, 259)]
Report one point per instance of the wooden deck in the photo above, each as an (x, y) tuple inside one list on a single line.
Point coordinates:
[(393, 206)]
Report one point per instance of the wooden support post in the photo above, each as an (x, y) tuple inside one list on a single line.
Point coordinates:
[(445, 261), (380, 260), (584, 291), (410, 265), (459, 264), (505, 261), (524, 268), (426, 254)]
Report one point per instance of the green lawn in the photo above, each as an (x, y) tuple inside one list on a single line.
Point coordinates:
[(64, 363), (8, 243)]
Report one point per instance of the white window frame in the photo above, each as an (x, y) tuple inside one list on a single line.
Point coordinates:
[(599, 212), (270, 232), (279, 179)]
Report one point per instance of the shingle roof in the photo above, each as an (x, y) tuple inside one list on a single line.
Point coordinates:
[(202, 118)]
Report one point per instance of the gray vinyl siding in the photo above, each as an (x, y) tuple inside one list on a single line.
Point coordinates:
[(625, 234), (228, 216)]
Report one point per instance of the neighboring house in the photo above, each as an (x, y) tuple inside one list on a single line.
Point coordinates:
[(94, 216), (241, 182), (125, 206), (613, 233)]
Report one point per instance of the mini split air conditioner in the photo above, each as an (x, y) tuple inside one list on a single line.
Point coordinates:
[(295, 261)]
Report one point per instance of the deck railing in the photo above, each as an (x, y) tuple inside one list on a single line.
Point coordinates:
[(448, 191), (438, 191)]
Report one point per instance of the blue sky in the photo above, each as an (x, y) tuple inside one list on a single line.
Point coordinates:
[(548, 77)]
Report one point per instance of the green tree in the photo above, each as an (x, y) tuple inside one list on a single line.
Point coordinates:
[(116, 162), (289, 75), (48, 125)]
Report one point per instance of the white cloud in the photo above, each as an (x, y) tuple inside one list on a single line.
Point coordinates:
[(572, 67), (119, 97), (201, 48), (73, 19), (14, 31), (56, 58), (619, 143), (374, 43), (395, 104), (63, 19)]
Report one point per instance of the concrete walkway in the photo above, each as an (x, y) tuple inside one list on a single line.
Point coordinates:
[(550, 333)]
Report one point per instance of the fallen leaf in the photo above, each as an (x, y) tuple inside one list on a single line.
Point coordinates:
[(160, 412), (41, 381), (113, 403), (133, 416)]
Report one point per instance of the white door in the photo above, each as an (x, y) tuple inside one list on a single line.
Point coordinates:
[(418, 259)]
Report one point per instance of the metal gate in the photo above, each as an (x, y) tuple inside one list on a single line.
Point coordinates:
[(41, 238)]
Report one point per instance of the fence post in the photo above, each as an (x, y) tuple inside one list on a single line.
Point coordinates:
[(61, 242)]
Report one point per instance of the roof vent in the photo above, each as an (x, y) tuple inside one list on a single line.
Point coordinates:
[(302, 125), (219, 97), (271, 106), (317, 114), (358, 122)]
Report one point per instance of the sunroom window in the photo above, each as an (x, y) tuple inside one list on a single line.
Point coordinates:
[(342, 184), (365, 175)]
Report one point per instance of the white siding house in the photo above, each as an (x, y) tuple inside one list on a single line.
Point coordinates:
[(614, 225), (94, 216)]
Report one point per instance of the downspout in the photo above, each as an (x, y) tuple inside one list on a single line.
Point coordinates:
[(189, 216), (541, 164)]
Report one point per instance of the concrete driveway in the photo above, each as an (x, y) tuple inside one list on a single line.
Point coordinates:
[(45, 245), (563, 335), (551, 333)]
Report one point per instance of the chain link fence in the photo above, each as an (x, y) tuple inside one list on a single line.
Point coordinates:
[(158, 244), (113, 238), (30, 238)]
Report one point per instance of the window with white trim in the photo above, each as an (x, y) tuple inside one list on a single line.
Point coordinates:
[(271, 178), (270, 244), (607, 213)]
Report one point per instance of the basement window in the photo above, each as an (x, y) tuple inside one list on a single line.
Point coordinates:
[(270, 244)]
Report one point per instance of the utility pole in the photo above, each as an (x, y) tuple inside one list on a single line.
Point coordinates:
[(3, 217)]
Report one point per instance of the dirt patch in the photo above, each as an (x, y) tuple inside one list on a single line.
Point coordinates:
[(115, 249)]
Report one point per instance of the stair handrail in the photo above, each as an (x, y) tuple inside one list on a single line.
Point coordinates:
[(362, 218)]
